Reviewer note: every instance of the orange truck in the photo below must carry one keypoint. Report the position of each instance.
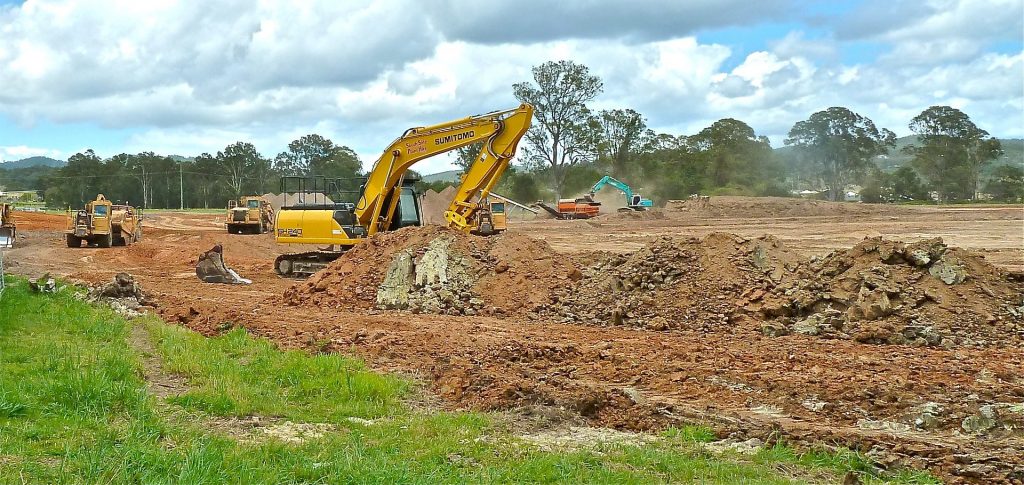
(580, 208)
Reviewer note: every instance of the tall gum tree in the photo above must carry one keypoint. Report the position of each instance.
(839, 146)
(952, 151)
(624, 136)
(565, 132)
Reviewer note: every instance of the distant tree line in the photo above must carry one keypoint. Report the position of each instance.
(570, 146)
(205, 181)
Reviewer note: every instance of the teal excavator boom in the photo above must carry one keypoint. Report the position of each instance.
(634, 201)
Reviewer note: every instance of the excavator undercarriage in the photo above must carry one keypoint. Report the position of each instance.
(303, 265)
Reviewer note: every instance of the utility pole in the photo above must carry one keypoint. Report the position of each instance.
(181, 186)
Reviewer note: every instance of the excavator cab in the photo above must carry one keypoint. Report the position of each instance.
(408, 212)
(314, 212)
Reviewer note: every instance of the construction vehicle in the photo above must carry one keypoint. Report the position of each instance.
(104, 224)
(578, 208)
(8, 230)
(388, 201)
(249, 214)
(634, 201)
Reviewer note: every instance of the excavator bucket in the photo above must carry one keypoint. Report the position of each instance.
(211, 269)
(6, 237)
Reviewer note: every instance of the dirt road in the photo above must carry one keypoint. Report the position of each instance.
(809, 389)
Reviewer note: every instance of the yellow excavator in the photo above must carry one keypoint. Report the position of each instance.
(388, 201)
(8, 230)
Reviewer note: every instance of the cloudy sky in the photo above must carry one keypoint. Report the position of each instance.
(184, 77)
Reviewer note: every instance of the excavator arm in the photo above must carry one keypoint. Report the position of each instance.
(609, 180)
(486, 170)
(500, 132)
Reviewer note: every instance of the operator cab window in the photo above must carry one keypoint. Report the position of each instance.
(408, 209)
(498, 208)
(100, 210)
(254, 204)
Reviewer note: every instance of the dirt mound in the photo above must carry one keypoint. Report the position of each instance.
(30, 221)
(879, 292)
(754, 207)
(675, 283)
(890, 292)
(433, 269)
(434, 204)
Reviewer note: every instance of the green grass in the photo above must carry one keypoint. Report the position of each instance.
(841, 460)
(235, 374)
(74, 409)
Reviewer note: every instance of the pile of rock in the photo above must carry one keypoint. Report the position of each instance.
(436, 279)
(890, 292)
(674, 283)
(433, 269)
(122, 294)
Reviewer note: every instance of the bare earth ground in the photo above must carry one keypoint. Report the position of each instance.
(807, 389)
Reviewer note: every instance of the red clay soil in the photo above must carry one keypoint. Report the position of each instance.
(30, 221)
(510, 272)
(954, 411)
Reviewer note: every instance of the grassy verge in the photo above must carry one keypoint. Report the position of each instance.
(74, 409)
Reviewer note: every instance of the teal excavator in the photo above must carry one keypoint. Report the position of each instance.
(634, 201)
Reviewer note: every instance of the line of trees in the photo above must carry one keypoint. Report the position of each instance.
(207, 180)
(831, 150)
(569, 146)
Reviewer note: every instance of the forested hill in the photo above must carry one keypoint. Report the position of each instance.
(32, 162)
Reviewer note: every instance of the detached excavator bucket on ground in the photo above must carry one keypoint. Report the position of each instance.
(211, 269)
(6, 238)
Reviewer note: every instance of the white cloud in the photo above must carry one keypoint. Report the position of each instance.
(795, 44)
(189, 77)
(18, 152)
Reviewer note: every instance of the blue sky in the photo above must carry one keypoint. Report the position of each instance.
(142, 79)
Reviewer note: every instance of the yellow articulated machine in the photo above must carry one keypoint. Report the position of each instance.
(388, 201)
(104, 224)
(250, 214)
(8, 231)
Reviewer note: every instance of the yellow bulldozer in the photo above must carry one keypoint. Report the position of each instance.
(104, 224)
(8, 230)
(249, 214)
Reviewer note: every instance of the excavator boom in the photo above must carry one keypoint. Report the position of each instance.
(499, 131)
(494, 158)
